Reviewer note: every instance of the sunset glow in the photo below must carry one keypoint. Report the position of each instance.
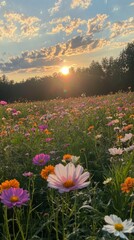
(65, 70)
(38, 38)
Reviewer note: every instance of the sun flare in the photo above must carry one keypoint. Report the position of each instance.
(65, 70)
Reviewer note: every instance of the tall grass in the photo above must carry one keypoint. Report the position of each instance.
(86, 127)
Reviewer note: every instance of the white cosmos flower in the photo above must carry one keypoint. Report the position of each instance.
(127, 137)
(115, 151)
(117, 226)
(130, 148)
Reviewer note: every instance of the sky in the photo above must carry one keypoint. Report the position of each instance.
(39, 37)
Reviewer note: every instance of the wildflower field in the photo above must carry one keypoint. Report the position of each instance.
(67, 169)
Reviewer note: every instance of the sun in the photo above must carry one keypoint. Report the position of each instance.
(65, 70)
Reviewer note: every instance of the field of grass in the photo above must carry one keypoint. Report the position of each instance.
(95, 133)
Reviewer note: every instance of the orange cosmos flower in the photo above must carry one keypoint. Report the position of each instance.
(128, 127)
(20, 122)
(8, 184)
(119, 137)
(46, 171)
(67, 157)
(46, 131)
(3, 133)
(90, 128)
(128, 185)
(131, 116)
(11, 131)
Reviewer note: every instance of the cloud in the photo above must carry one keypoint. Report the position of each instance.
(81, 3)
(2, 4)
(7, 31)
(56, 8)
(17, 26)
(52, 56)
(118, 45)
(96, 24)
(21, 62)
(131, 4)
(122, 28)
(68, 27)
(60, 20)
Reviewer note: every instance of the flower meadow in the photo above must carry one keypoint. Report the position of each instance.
(67, 169)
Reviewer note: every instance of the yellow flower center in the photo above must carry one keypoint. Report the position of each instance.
(68, 184)
(118, 226)
(41, 161)
(14, 199)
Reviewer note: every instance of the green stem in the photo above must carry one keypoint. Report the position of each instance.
(6, 224)
(19, 225)
(55, 212)
(30, 204)
(86, 161)
(63, 225)
(13, 226)
(75, 212)
(131, 211)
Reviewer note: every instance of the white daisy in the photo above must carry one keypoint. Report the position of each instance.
(117, 227)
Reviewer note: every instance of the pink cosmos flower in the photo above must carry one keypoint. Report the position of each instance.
(27, 174)
(41, 159)
(16, 113)
(113, 122)
(127, 137)
(49, 139)
(68, 178)
(33, 129)
(14, 197)
(3, 103)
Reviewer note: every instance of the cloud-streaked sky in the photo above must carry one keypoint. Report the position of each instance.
(38, 37)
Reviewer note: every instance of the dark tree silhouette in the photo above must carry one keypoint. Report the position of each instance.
(110, 75)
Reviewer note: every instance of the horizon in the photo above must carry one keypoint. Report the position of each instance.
(41, 38)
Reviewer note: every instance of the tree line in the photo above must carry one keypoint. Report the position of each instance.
(109, 75)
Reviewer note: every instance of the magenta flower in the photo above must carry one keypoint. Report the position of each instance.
(14, 197)
(14, 110)
(68, 178)
(41, 159)
(42, 127)
(3, 103)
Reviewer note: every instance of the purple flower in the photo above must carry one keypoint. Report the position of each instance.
(41, 159)
(14, 197)
(68, 178)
